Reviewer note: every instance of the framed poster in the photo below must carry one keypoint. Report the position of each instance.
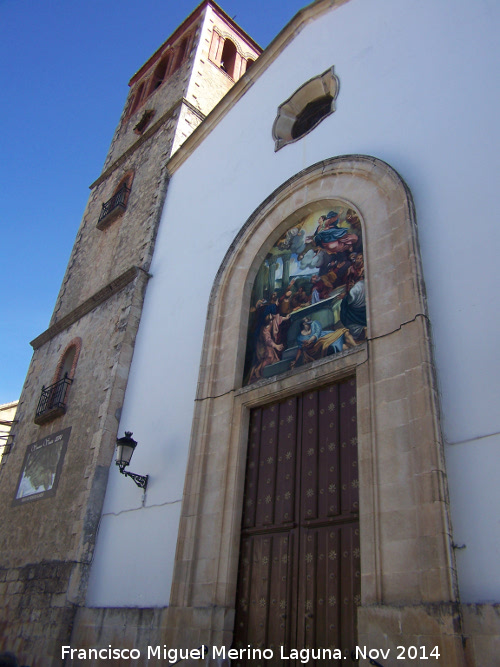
(42, 467)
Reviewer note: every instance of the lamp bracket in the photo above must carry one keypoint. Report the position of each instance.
(140, 480)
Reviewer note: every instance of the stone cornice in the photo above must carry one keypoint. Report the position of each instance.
(89, 304)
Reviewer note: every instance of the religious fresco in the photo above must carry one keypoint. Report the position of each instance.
(308, 299)
(42, 467)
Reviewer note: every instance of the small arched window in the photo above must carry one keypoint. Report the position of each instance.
(68, 360)
(136, 102)
(53, 399)
(160, 73)
(228, 58)
(181, 52)
(67, 363)
(250, 62)
(183, 49)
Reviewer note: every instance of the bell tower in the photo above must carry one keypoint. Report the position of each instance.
(55, 468)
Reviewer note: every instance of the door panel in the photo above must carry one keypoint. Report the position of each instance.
(328, 591)
(299, 573)
(264, 585)
(270, 486)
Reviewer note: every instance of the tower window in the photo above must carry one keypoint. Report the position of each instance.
(144, 122)
(160, 73)
(182, 51)
(228, 58)
(117, 204)
(53, 399)
(136, 102)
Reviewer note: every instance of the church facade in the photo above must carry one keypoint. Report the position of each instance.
(270, 289)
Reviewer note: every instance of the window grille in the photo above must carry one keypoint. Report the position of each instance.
(52, 401)
(117, 201)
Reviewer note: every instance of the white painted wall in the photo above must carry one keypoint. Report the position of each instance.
(418, 89)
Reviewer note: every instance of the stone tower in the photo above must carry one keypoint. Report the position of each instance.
(55, 468)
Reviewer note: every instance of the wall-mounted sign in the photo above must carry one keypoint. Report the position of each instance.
(42, 467)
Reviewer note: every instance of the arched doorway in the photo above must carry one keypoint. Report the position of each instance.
(406, 553)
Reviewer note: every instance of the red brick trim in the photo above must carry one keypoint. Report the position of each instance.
(77, 344)
(127, 179)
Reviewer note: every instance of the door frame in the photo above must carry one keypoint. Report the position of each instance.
(406, 545)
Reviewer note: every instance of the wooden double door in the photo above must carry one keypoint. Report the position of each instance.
(299, 571)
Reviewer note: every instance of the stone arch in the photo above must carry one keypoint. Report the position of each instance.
(137, 98)
(406, 546)
(228, 57)
(126, 180)
(161, 72)
(68, 360)
(248, 63)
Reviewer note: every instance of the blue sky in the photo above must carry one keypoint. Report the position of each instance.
(65, 66)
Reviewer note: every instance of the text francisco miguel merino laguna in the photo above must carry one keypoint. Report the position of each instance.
(172, 655)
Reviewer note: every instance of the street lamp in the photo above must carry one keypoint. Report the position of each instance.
(124, 449)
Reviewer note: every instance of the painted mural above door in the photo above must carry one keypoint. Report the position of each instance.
(308, 300)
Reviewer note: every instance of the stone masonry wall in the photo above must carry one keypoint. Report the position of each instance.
(209, 83)
(127, 628)
(482, 632)
(47, 544)
(35, 618)
(161, 100)
(129, 238)
(187, 123)
(99, 256)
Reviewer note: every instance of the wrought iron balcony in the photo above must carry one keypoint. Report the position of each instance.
(52, 401)
(114, 206)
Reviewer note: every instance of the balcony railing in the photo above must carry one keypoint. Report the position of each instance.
(52, 401)
(115, 205)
